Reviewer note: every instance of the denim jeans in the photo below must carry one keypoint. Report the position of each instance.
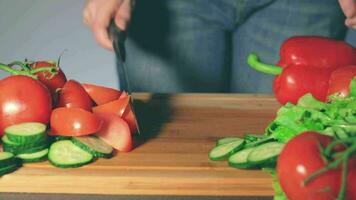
(202, 45)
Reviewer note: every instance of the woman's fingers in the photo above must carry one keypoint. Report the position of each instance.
(98, 13)
(349, 9)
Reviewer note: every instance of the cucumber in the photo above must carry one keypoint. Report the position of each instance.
(65, 154)
(239, 159)
(225, 150)
(34, 157)
(265, 154)
(28, 132)
(94, 146)
(8, 169)
(17, 148)
(6, 159)
(226, 140)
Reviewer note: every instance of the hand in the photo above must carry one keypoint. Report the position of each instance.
(349, 9)
(98, 13)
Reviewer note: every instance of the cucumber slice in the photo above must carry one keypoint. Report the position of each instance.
(265, 154)
(8, 169)
(225, 150)
(226, 140)
(65, 154)
(28, 132)
(94, 146)
(17, 148)
(239, 159)
(34, 157)
(6, 159)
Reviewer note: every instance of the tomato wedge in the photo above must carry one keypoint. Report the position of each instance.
(115, 131)
(130, 118)
(73, 95)
(100, 94)
(74, 122)
(117, 107)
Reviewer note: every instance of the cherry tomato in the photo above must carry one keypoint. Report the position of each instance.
(100, 94)
(74, 122)
(23, 99)
(115, 131)
(340, 79)
(117, 107)
(73, 95)
(55, 82)
(300, 158)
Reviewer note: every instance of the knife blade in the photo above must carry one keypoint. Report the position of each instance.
(118, 38)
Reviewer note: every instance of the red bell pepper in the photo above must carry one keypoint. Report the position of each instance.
(310, 64)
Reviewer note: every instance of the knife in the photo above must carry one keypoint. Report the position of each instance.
(118, 38)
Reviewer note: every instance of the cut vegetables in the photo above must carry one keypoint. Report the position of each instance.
(29, 132)
(34, 157)
(94, 146)
(65, 154)
(223, 151)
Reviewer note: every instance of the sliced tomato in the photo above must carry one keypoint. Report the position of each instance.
(123, 95)
(130, 118)
(73, 95)
(74, 122)
(100, 94)
(115, 131)
(117, 107)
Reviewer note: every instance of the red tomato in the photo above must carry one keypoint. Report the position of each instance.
(299, 159)
(73, 95)
(130, 118)
(123, 95)
(117, 107)
(23, 99)
(115, 132)
(340, 79)
(100, 94)
(74, 122)
(55, 82)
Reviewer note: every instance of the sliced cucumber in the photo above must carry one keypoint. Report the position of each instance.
(34, 157)
(8, 169)
(94, 146)
(265, 154)
(6, 159)
(28, 132)
(226, 140)
(225, 150)
(17, 148)
(239, 159)
(65, 154)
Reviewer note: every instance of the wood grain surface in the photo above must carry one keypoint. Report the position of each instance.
(171, 156)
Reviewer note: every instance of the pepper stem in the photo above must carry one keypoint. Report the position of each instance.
(255, 63)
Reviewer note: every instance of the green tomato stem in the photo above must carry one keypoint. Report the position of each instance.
(254, 62)
(23, 65)
(31, 73)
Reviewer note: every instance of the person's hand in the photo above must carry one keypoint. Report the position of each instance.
(349, 9)
(98, 13)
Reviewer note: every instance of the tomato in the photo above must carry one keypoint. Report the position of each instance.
(23, 99)
(130, 118)
(300, 158)
(74, 122)
(117, 107)
(115, 131)
(73, 95)
(340, 79)
(100, 94)
(122, 108)
(57, 81)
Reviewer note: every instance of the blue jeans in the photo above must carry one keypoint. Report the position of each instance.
(202, 45)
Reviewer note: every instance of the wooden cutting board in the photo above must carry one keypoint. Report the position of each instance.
(178, 131)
